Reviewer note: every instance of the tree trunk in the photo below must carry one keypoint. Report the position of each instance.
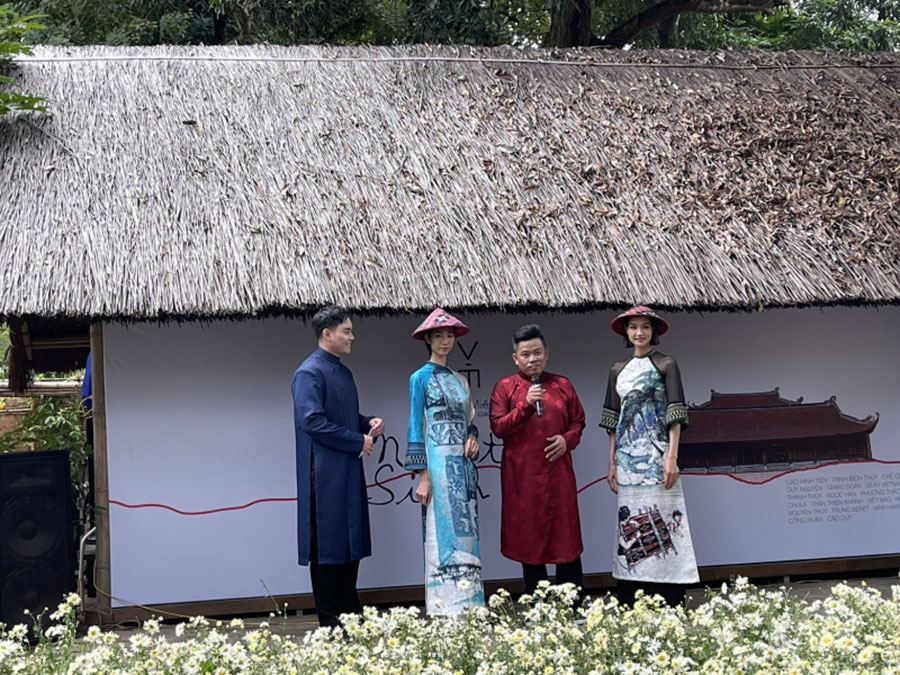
(625, 32)
(244, 21)
(668, 33)
(570, 23)
(219, 24)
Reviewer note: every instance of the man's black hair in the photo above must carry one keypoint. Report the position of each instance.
(530, 331)
(329, 317)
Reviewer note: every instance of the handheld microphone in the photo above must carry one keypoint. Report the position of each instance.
(538, 405)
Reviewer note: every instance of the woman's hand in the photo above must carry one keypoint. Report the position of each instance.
(611, 476)
(470, 450)
(423, 489)
(670, 471)
(670, 468)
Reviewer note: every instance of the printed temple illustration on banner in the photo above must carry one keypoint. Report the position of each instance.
(762, 432)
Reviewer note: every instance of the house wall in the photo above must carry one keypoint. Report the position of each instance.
(200, 420)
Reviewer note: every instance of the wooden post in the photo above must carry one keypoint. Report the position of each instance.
(101, 473)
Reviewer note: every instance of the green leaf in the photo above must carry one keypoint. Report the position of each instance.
(13, 29)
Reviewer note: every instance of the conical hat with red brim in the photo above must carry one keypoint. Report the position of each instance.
(620, 322)
(440, 318)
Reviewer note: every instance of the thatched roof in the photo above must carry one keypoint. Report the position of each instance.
(233, 181)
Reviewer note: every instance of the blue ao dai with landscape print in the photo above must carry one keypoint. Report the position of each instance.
(441, 418)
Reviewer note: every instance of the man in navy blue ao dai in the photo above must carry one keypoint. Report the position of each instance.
(331, 437)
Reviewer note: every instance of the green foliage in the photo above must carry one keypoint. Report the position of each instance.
(867, 25)
(137, 22)
(137, 31)
(174, 27)
(55, 423)
(338, 22)
(13, 30)
(455, 21)
(397, 21)
(4, 352)
(609, 14)
(341, 22)
(863, 25)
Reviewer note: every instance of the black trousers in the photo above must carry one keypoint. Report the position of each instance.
(569, 572)
(334, 590)
(673, 594)
(333, 586)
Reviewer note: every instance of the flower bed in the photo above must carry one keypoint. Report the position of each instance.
(741, 629)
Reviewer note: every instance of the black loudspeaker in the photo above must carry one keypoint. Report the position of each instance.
(37, 533)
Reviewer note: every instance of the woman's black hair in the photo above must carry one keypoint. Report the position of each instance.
(654, 325)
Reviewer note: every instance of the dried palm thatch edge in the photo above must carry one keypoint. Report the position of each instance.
(305, 313)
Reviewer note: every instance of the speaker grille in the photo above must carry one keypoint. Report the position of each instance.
(32, 527)
(17, 474)
(37, 543)
(34, 589)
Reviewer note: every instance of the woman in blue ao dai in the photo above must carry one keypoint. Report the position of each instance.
(441, 444)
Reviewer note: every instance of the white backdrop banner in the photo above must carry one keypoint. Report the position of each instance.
(201, 444)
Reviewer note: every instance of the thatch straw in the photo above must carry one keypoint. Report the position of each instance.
(232, 181)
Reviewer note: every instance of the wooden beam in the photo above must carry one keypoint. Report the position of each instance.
(45, 388)
(61, 342)
(18, 358)
(234, 607)
(101, 473)
(823, 567)
(26, 340)
(593, 583)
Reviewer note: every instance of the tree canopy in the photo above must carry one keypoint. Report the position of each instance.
(865, 25)
(13, 29)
